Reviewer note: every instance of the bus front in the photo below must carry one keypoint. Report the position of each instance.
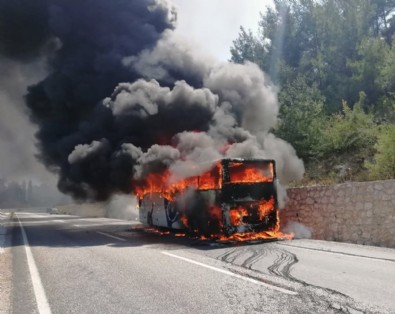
(249, 196)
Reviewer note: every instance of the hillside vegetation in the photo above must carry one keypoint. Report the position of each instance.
(334, 62)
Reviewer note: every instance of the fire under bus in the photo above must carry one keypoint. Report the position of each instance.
(235, 200)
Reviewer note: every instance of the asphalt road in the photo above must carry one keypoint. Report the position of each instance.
(77, 265)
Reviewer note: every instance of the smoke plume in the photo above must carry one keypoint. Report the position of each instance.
(125, 96)
(17, 140)
(299, 230)
(122, 207)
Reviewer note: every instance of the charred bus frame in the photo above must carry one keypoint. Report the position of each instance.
(234, 196)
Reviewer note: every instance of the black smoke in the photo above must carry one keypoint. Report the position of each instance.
(24, 28)
(124, 96)
(93, 37)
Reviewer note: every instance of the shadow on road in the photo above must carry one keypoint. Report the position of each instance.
(44, 232)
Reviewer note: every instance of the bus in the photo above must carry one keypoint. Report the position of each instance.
(235, 196)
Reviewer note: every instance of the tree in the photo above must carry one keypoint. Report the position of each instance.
(302, 118)
(383, 166)
(248, 48)
(387, 79)
(367, 69)
(284, 36)
(349, 138)
(334, 64)
(335, 44)
(383, 18)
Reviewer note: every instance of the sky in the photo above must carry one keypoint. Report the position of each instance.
(216, 23)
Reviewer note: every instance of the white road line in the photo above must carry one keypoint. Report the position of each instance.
(98, 225)
(39, 292)
(226, 272)
(110, 236)
(81, 226)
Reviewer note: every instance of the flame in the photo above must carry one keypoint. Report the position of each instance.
(240, 172)
(254, 236)
(156, 231)
(263, 235)
(237, 173)
(236, 216)
(184, 220)
(264, 208)
(160, 183)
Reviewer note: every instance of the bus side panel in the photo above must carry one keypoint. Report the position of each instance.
(159, 212)
(204, 212)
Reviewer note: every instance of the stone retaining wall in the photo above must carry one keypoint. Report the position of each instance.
(356, 212)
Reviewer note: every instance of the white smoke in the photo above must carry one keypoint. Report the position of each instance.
(172, 53)
(299, 230)
(281, 195)
(17, 142)
(122, 207)
(83, 151)
(240, 100)
(250, 93)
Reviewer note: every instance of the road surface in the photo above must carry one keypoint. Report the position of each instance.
(68, 264)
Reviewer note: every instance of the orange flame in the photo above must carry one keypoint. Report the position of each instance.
(184, 221)
(255, 236)
(238, 173)
(248, 173)
(236, 216)
(265, 208)
(160, 183)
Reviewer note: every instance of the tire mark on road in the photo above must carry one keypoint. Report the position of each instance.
(281, 266)
(248, 257)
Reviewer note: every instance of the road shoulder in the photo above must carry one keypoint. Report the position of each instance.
(5, 268)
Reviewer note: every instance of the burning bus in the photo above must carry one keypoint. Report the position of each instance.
(235, 199)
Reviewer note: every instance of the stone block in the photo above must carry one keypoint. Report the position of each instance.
(359, 206)
(368, 206)
(348, 211)
(309, 201)
(378, 186)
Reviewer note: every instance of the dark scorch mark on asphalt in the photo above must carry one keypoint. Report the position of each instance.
(281, 262)
(281, 266)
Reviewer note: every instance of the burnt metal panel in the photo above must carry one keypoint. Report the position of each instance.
(233, 192)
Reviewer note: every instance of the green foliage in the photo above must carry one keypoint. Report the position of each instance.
(351, 132)
(340, 46)
(383, 166)
(248, 48)
(387, 79)
(323, 54)
(348, 142)
(302, 118)
(366, 70)
(386, 109)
